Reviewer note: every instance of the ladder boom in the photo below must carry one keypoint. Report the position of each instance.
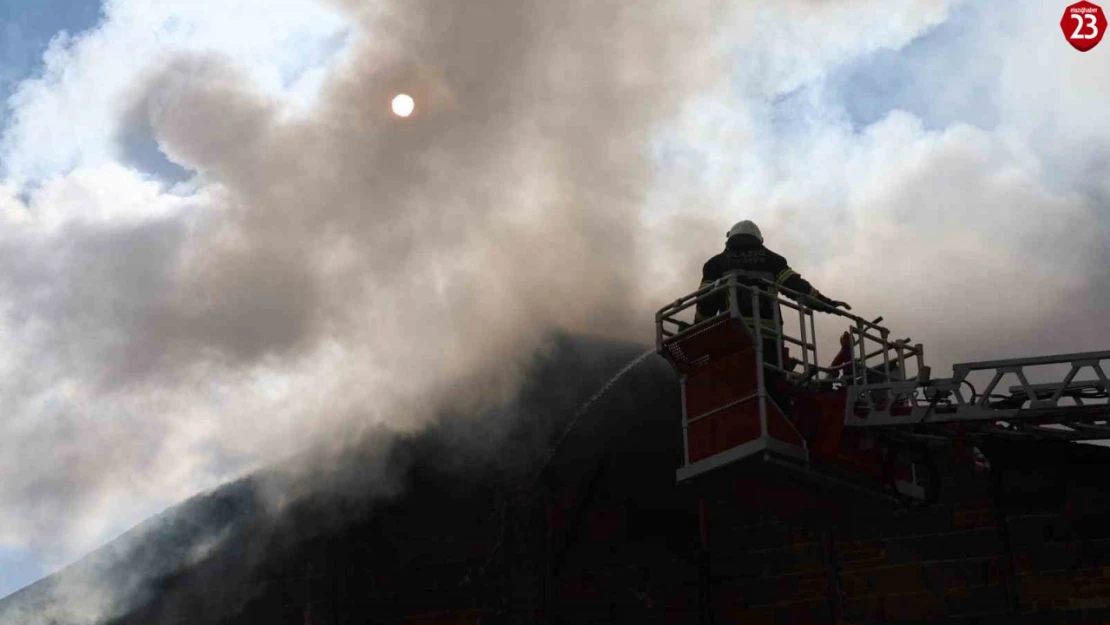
(1064, 401)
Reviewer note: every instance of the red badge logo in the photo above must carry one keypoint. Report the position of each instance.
(1083, 24)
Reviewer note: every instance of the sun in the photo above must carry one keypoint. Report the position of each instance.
(403, 105)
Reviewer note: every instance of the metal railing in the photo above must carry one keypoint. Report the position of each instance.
(1024, 410)
(874, 356)
(888, 382)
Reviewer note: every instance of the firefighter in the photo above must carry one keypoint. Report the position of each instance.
(745, 254)
(747, 258)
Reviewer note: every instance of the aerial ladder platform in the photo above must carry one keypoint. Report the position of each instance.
(874, 420)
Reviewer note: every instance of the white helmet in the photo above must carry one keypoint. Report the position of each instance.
(746, 227)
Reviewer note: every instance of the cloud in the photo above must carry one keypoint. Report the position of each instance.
(327, 268)
(68, 116)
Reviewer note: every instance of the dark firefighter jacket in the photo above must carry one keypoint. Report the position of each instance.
(745, 253)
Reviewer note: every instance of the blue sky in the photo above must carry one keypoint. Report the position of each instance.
(211, 217)
(18, 568)
(917, 77)
(27, 26)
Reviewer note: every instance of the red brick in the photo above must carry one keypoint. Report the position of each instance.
(1092, 588)
(916, 606)
(884, 580)
(996, 570)
(976, 600)
(1093, 573)
(861, 554)
(813, 611)
(680, 599)
(1023, 562)
(1050, 586)
(966, 518)
(748, 616)
(854, 585)
(862, 609)
(682, 618)
(774, 590)
(1087, 603)
(863, 564)
(962, 573)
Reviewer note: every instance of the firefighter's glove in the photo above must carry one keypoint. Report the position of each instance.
(820, 303)
(820, 306)
(844, 305)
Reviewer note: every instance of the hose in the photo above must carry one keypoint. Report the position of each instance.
(974, 392)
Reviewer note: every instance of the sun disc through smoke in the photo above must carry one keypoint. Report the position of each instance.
(403, 105)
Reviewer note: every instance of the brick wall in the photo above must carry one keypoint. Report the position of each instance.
(966, 563)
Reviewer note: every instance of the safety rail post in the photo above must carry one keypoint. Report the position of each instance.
(900, 355)
(780, 331)
(885, 334)
(759, 377)
(733, 298)
(855, 373)
(813, 333)
(900, 347)
(667, 313)
(685, 424)
(805, 343)
(862, 349)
